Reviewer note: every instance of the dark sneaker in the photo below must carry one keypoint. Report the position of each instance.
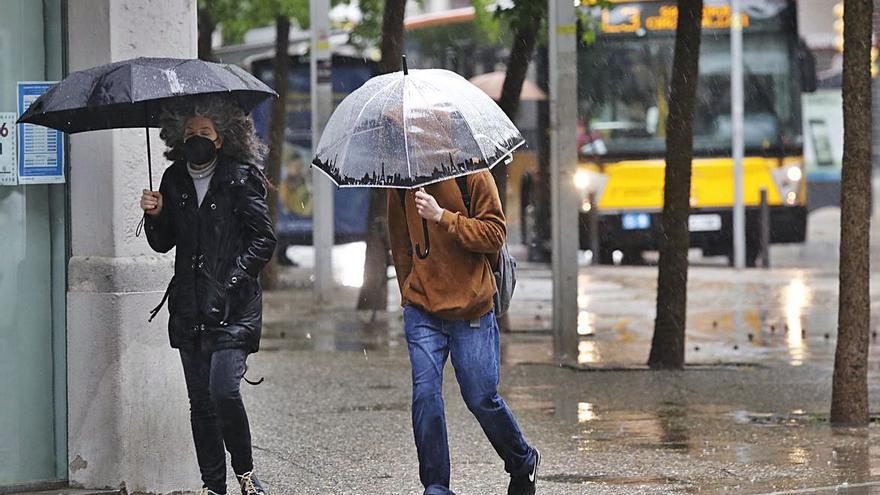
(250, 485)
(525, 484)
(205, 491)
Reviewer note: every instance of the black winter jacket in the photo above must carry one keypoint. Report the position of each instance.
(215, 296)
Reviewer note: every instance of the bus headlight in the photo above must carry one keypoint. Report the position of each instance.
(590, 185)
(582, 179)
(788, 181)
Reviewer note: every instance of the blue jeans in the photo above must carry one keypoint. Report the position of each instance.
(476, 357)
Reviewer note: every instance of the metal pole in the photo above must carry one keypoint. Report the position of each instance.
(595, 243)
(564, 197)
(765, 230)
(322, 188)
(737, 144)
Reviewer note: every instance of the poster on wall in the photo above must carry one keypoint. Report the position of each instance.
(40, 149)
(8, 165)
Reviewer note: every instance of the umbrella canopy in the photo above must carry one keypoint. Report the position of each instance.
(131, 93)
(413, 128)
(493, 82)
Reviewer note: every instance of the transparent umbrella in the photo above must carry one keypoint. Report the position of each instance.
(413, 128)
(409, 129)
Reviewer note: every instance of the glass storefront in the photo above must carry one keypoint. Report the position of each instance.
(33, 259)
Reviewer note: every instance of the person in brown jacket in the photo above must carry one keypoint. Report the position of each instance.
(448, 310)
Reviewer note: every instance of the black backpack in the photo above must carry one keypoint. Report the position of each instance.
(505, 271)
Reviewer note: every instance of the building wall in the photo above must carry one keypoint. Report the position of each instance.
(32, 290)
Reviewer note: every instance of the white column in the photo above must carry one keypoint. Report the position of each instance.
(128, 410)
(322, 188)
(563, 165)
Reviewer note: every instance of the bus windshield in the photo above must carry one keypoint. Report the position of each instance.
(623, 87)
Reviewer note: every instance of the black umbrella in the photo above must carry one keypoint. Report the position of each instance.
(131, 93)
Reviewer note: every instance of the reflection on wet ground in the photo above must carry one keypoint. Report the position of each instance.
(781, 316)
(710, 448)
(583, 479)
(759, 317)
(756, 425)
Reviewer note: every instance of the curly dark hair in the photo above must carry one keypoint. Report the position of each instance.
(240, 141)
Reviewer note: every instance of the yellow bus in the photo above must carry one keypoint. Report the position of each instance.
(623, 80)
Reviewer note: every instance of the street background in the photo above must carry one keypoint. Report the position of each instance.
(94, 398)
(748, 415)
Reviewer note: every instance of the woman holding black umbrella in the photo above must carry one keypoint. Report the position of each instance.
(211, 206)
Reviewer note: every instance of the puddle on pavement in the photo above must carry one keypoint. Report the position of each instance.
(667, 428)
(793, 418)
(584, 479)
(394, 406)
(343, 332)
(773, 450)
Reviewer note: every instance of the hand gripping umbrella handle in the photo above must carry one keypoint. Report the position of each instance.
(140, 226)
(427, 242)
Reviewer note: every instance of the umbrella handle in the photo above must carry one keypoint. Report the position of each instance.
(149, 153)
(427, 242)
(149, 159)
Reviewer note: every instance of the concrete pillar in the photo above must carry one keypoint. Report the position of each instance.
(563, 165)
(128, 412)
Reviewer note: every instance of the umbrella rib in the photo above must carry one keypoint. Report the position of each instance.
(468, 124)
(361, 112)
(441, 122)
(403, 120)
(427, 103)
(506, 151)
(483, 116)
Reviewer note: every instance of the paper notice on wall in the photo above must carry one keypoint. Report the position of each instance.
(40, 150)
(8, 164)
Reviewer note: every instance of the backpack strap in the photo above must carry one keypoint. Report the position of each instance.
(466, 197)
(465, 193)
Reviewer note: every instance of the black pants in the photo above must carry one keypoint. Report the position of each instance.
(217, 412)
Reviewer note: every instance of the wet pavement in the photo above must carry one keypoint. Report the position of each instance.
(749, 415)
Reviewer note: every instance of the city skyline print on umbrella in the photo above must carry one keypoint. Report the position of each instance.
(409, 129)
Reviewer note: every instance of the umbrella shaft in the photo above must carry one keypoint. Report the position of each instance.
(149, 158)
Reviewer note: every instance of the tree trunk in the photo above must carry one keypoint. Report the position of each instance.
(667, 347)
(374, 293)
(207, 25)
(849, 398)
(276, 132)
(524, 39)
(540, 249)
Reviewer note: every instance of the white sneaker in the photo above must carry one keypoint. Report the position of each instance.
(250, 484)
